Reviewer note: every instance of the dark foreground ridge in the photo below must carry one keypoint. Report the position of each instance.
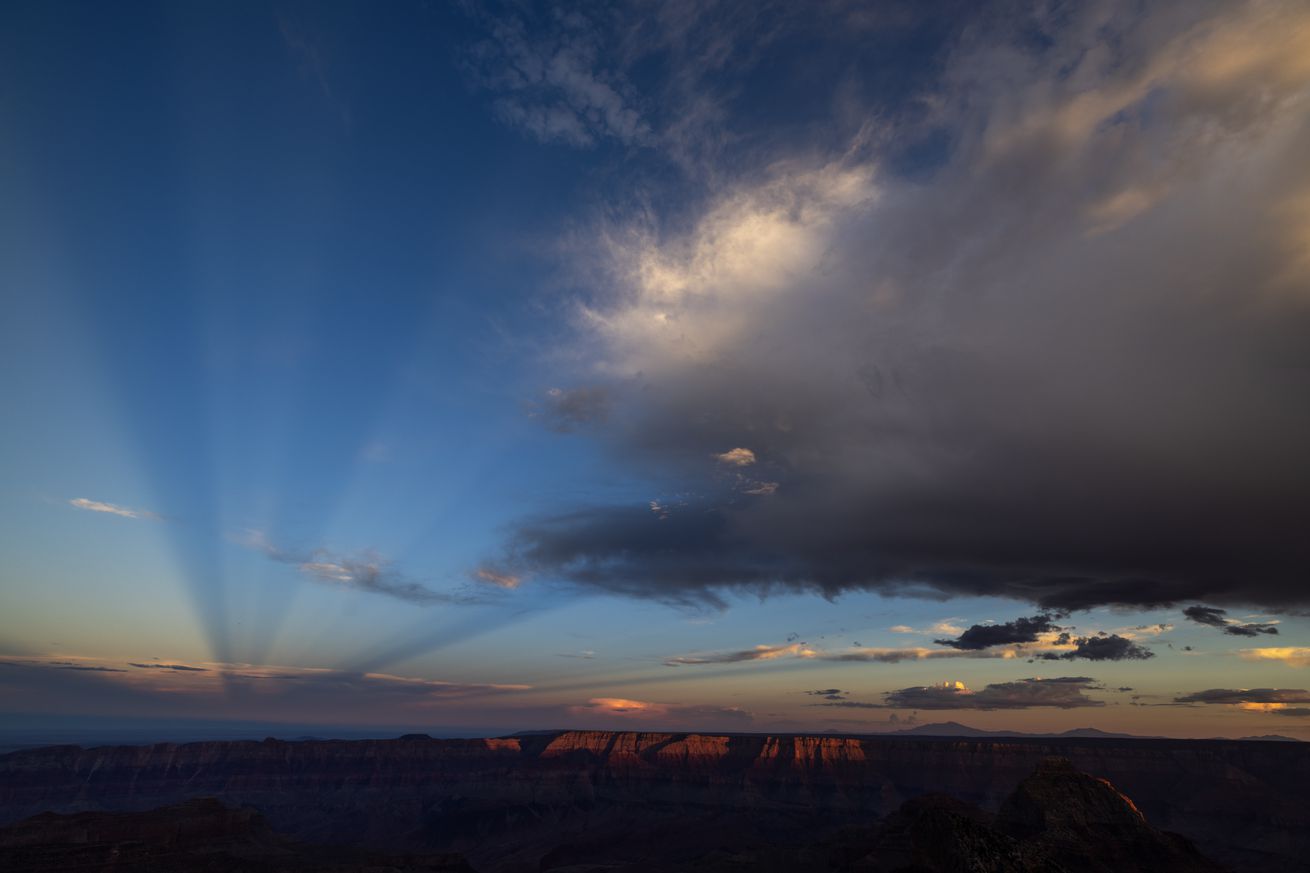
(1057, 821)
(581, 800)
(198, 836)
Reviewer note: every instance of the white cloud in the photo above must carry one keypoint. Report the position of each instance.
(111, 509)
(1292, 656)
(737, 457)
(499, 580)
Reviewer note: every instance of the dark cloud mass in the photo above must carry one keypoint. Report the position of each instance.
(1102, 647)
(828, 694)
(1063, 693)
(1269, 701)
(1021, 630)
(1066, 366)
(565, 410)
(1209, 615)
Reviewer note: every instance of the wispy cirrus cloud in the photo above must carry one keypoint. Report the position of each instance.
(112, 509)
(556, 82)
(211, 679)
(759, 653)
(804, 651)
(365, 571)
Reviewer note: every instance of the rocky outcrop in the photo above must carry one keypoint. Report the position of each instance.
(509, 801)
(199, 836)
(1057, 821)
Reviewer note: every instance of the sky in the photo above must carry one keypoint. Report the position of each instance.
(716, 366)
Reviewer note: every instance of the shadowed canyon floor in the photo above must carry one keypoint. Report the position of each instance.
(589, 800)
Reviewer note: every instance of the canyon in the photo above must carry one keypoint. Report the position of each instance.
(581, 800)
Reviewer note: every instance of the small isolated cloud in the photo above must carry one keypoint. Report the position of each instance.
(622, 705)
(625, 708)
(1101, 647)
(828, 693)
(901, 629)
(738, 457)
(565, 410)
(1021, 630)
(111, 509)
(1292, 656)
(497, 579)
(585, 654)
(1215, 617)
(1274, 701)
(1068, 692)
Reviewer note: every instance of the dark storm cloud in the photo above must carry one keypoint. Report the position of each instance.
(1021, 630)
(1102, 647)
(1250, 630)
(1062, 693)
(1067, 367)
(1209, 615)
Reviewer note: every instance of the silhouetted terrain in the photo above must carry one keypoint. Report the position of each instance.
(199, 836)
(591, 800)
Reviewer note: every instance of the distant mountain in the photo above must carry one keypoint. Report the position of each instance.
(955, 729)
(1277, 738)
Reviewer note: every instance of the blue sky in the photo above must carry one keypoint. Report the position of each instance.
(517, 366)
